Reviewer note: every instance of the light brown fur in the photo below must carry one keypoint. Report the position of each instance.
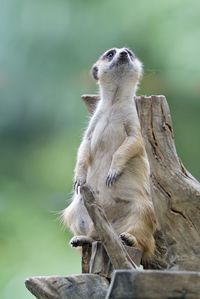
(112, 157)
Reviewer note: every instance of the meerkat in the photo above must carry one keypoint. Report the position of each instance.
(112, 159)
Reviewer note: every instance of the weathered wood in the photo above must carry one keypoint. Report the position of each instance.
(100, 262)
(175, 192)
(151, 284)
(86, 255)
(71, 287)
(119, 256)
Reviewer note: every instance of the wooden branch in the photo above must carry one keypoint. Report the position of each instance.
(175, 192)
(116, 251)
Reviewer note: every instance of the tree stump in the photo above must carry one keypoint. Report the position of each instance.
(175, 192)
(176, 198)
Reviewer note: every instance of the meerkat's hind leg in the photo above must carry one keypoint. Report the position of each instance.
(129, 239)
(78, 241)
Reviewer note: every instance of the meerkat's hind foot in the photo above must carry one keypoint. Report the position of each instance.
(129, 239)
(78, 241)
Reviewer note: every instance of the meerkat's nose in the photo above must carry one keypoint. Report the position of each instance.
(123, 54)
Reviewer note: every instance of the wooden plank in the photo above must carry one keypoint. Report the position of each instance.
(70, 287)
(151, 284)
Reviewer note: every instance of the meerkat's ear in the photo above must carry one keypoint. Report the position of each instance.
(94, 72)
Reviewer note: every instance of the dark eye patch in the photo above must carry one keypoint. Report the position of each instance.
(130, 53)
(109, 55)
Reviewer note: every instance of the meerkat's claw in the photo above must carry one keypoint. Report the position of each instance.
(78, 183)
(112, 177)
(78, 241)
(129, 239)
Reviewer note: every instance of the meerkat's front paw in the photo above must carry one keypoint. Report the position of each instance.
(78, 241)
(112, 177)
(79, 181)
(129, 239)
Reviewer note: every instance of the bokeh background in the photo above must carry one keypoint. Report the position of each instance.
(46, 50)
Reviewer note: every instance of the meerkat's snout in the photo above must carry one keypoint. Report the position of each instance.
(123, 55)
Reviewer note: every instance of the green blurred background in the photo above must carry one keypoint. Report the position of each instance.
(46, 50)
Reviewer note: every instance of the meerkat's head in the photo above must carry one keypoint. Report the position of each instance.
(117, 66)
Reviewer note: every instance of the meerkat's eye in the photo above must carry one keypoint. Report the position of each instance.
(110, 54)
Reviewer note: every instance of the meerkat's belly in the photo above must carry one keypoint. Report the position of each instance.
(119, 200)
(108, 135)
